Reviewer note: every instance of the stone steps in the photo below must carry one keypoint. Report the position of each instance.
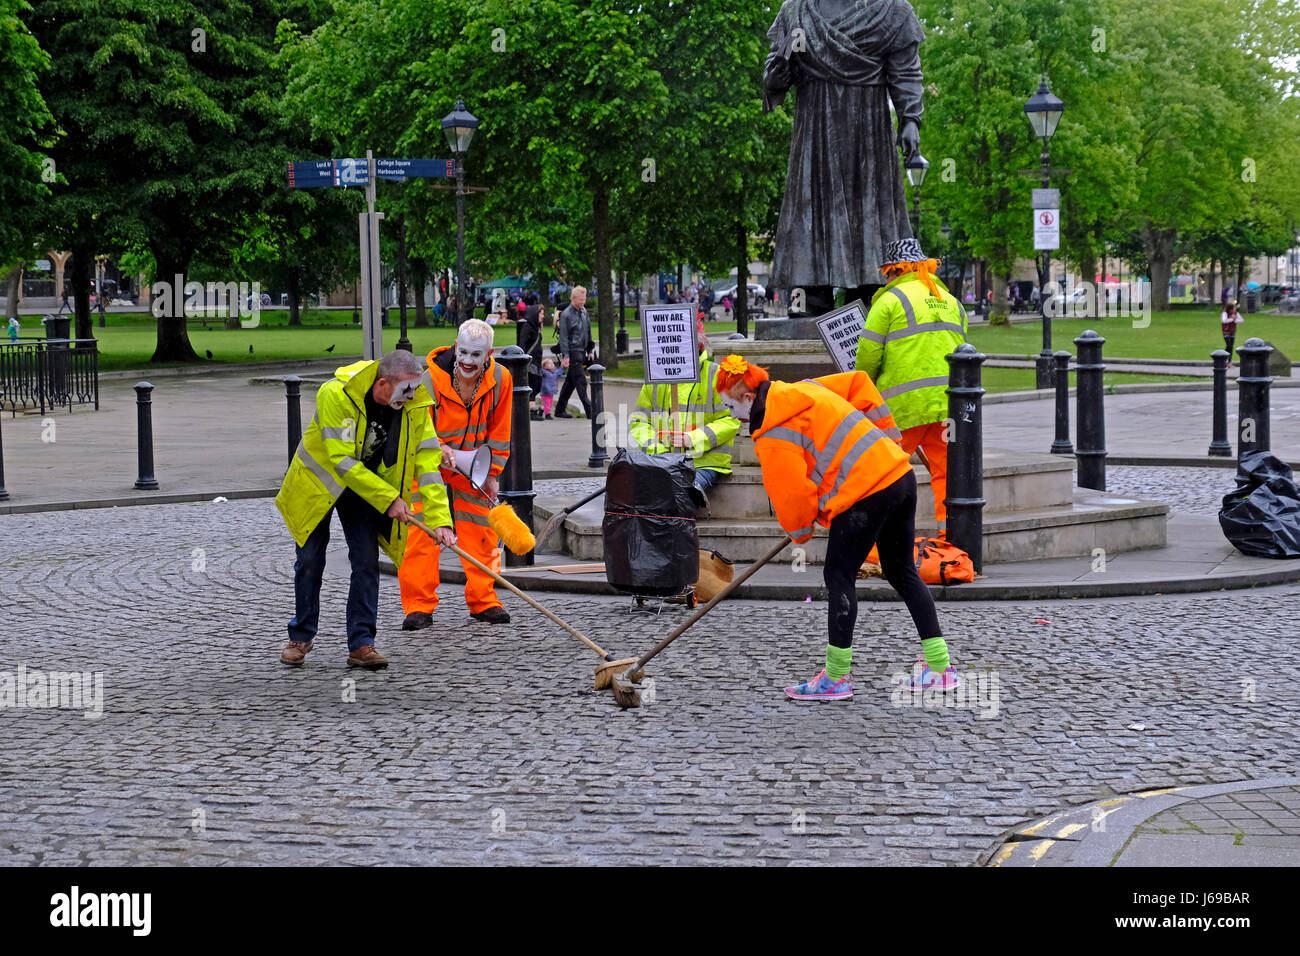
(1090, 520)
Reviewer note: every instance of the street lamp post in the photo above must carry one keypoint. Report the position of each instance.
(620, 340)
(916, 168)
(459, 126)
(1044, 112)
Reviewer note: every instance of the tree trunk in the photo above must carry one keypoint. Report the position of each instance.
(1214, 285)
(295, 295)
(82, 263)
(604, 288)
(742, 279)
(420, 276)
(1158, 244)
(173, 336)
(1240, 294)
(13, 285)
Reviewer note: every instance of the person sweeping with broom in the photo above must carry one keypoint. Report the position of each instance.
(828, 453)
(370, 431)
(471, 408)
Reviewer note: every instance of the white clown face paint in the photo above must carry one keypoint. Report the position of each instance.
(471, 355)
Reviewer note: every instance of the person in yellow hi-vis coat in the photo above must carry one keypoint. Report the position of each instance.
(370, 441)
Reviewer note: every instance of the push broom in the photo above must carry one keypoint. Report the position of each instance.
(625, 691)
(611, 662)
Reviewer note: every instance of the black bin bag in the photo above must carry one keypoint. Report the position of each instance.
(651, 545)
(1262, 515)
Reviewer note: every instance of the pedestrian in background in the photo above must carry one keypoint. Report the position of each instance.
(13, 328)
(575, 349)
(550, 385)
(1229, 319)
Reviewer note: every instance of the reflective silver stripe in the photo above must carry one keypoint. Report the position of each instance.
(428, 444)
(347, 433)
(346, 464)
(833, 444)
(894, 433)
(913, 386)
(846, 465)
(724, 449)
(454, 433)
(926, 327)
(907, 307)
(430, 478)
(789, 434)
(498, 445)
(315, 467)
(873, 336)
(943, 525)
(879, 412)
(801, 532)
(713, 439)
(427, 381)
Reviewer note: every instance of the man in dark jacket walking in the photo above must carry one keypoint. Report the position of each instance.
(575, 334)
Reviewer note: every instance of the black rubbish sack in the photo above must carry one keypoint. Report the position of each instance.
(651, 544)
(1261, 516)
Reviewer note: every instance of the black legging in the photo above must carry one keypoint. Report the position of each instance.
(886, 519)
(1227, 341)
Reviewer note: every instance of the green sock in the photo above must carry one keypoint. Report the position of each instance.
(839, 660)
(936, 653)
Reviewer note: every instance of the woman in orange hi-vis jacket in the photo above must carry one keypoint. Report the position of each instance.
(471, 407)
(828, 451)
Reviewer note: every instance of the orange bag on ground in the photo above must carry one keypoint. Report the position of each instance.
(942, 562)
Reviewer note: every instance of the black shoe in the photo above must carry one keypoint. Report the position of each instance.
(417, 620)
(549, 417)
(493, 615)
(563, 415)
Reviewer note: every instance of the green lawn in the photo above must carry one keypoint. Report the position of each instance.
(1191, 334)
(129, 338)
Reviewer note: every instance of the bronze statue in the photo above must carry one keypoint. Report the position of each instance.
(844, 200)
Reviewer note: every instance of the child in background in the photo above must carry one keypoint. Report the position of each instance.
(550, 385)
(1229, 318)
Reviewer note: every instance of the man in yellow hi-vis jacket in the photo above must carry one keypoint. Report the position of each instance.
(372, 434)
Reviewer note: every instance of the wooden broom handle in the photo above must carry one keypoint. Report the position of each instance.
(681, 628)
(506, 584)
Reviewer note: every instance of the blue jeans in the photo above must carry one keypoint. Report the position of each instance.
(706, 478)
(361, 529)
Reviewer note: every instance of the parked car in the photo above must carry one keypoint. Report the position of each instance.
(1273, 292)
(1063, 300)
(756, 291)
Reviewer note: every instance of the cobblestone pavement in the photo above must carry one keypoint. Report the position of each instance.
(487, 745)
(1187, 491)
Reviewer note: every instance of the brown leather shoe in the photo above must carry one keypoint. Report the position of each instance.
(367, 657)
(294, 653)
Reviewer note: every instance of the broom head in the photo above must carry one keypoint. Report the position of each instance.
(626, 693)
(605, 672)
(514, 534)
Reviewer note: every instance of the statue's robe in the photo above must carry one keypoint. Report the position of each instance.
(844, 199)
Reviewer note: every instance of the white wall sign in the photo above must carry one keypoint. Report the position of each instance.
(840, 330)
(668, 339)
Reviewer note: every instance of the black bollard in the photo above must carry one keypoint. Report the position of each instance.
(4, 495)
(966, 453)
(598, 453)
(517, 478)
(145, 481)
(1061, 445)
(293, 398)
(1252, 398)
(1219, 444)
(1091, 412)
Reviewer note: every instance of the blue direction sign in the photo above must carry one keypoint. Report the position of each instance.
(327, 172)
(400, 169)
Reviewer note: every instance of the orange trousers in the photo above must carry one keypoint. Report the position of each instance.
(929, 438)
(418, 575)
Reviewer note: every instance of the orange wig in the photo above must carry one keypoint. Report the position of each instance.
(734, 368)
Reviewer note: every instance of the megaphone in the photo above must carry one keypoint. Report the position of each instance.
(474, 464)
